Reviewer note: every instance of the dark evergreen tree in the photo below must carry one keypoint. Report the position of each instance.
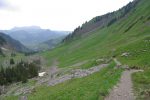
(12, 61)
(21, 72)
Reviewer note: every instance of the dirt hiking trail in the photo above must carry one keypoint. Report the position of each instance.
(123, 90)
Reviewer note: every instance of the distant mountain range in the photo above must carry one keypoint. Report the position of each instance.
(32, 36)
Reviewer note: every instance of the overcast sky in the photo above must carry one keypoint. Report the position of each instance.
(53, 14)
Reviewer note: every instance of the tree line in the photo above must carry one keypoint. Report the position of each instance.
(104, 21)
(20, 72)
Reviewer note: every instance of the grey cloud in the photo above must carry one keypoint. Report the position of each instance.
(3, 4)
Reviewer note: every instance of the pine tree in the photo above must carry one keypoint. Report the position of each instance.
(12, 61)
(2, 76)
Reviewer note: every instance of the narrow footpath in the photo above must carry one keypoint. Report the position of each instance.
(123, 90)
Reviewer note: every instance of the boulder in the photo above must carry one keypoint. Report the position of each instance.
(125, 54)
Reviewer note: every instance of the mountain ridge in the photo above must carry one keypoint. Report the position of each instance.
(12, 44)
(32, 36)
(102, 21)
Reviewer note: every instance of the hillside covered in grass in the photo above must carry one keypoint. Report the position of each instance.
(123, 35)
(129, 34)
(127, 39)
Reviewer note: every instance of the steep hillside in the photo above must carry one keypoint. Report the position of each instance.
(129, 34)
(102, 21)
(2, 40)
(127, 39)
(9, 43)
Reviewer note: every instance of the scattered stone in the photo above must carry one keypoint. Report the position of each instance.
(117, 63)
(100, 60)
(2, 90)
(144, 50)
(23, 98)
(126, 67)
(24, 90)
(125, 54)
(77, 73)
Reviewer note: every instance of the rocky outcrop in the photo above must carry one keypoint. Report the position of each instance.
(77, 73)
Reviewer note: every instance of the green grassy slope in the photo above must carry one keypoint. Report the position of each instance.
(130, 34)
(141, 83)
